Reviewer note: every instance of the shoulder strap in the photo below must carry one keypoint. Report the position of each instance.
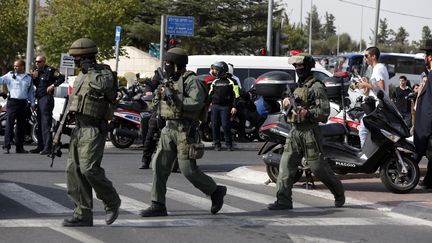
(64, 115)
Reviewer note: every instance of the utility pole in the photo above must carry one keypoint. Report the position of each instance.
(361, 29)
(310, 29)
(30, 35)
(376, 21)
(161, 41)
(269, 28)
(301, 14)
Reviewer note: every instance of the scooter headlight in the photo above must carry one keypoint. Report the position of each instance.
(394, 138)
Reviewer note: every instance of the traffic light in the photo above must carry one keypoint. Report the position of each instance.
(170, 41)
(262, 52)
(278, 43)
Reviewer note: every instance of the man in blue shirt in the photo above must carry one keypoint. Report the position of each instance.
(21, 90)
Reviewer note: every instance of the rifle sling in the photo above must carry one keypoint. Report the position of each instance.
(66, 111)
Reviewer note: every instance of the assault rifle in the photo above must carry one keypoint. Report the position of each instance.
(168, 92)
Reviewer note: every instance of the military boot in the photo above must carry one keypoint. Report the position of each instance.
(155, 210)
(339, 201)
(76, 222)
(112, 214)
(277, 206)
(217, 199)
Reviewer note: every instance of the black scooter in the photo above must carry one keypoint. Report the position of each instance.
(386, 147)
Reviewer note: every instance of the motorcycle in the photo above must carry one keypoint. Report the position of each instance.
(30, 124)
(386, 148)
(125, 127)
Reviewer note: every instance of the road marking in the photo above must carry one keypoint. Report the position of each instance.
(266, 199)
(31, 200)
(75, 234)
(305, 238)
(128, 204)
(184, 197)
(220, 221)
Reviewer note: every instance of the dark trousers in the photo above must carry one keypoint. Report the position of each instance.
(44, 121)
(15, 111)
(427, 180)
(221, 114)
(407, 116)
(149, 143)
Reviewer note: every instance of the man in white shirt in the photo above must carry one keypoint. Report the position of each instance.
(378, 80)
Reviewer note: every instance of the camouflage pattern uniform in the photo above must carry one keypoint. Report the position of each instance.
(304, 141)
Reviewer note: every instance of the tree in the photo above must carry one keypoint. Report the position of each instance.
(13, 31)
(316, 24)
(383, 32)
(426, 34)
(329, 29)
(65, 21)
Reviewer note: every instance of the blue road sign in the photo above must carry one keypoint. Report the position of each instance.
(117, 33)
(179, 25)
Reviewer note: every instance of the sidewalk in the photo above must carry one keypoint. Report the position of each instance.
(361, 189)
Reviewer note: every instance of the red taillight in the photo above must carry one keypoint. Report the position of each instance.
(260, 79)
(352, 124)
(268, 126)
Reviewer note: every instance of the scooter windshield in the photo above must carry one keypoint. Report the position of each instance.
(386, 116)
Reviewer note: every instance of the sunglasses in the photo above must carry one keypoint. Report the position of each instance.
(38, 61)
(366, 55)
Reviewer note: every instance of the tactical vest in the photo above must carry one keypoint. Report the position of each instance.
(301, 94)
(89, 101)
(175, 111)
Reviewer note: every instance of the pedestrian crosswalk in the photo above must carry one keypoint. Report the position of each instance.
(234, 211)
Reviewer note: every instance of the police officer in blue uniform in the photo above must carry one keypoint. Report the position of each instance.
(21, 90)
(45, 79)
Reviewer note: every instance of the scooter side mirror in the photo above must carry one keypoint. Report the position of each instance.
(380, 94)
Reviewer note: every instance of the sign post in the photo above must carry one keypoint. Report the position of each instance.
(67, 65)
(117, 40)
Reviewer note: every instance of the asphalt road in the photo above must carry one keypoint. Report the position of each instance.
(34, 202)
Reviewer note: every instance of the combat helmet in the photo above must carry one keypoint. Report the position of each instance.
(302, 58)
(177, 56)
(83, 46)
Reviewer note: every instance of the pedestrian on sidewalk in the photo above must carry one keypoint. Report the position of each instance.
(304, 140)
(224, 95)
(400, 98)
(423, 119)
(21, 91)
(45, 79)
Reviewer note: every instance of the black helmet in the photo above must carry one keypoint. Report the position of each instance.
(83, 47)
(302, 58)
(221, 67)
(177, 56)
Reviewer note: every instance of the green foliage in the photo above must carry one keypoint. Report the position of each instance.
(122, 81)
(65, 21)
(13, 31)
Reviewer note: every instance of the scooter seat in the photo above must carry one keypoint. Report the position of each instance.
(333, 130)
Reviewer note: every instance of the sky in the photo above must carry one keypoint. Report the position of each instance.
(348, 15)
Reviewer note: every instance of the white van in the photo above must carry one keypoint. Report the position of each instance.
(250, 66)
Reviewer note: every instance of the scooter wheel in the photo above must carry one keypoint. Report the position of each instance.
(273, 172)
(395, 180)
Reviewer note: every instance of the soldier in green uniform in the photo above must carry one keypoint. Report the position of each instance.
(94, 90)
(181, 99)
(304, 138)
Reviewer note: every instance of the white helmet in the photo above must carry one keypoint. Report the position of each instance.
(230, 69)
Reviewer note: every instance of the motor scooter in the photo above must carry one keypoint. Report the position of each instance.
(126, 125)
(386, 148)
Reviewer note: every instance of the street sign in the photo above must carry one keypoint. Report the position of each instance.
(67, 61)
(180, 25)
(117, 33)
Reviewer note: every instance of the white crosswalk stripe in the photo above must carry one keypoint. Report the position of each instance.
(266, 199)
(128, 204)
(32, 200)
(184, 197)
